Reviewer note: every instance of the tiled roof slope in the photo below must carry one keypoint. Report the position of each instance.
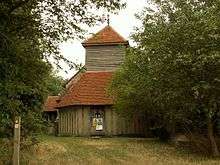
(51, 103)
(89, 89)
(107, 36)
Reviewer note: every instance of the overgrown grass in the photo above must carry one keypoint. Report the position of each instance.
(75, 150)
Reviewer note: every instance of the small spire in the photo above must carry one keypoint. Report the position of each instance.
(103, 19)
(108, 19)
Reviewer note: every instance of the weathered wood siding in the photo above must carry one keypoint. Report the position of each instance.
(76, 121)
(104, 58)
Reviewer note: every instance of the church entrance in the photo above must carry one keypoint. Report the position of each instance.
(97, 120)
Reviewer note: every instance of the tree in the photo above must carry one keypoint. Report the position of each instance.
(174, 72)
(22, 84)
(55, 84)
(30, 31)
(52, 21)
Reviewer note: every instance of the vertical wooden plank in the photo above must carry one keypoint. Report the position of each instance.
(115, 123)
(82, 120)
(59, 122)
(118, 124)
(86, 120)
(122, 125)
(125, 126)
(65, 123)
(133, 124)
(108, 117)
(106, 120)
(90, 121)
(77, 129)
(61, 125)
(67, 119)
(74, 121)
(112, 121)
(130, 126)
(70, 121)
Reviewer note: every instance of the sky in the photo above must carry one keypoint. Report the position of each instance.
(123, 23)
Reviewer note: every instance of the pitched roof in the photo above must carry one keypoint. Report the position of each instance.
(51, 103)
(88, 88)
(106, 36)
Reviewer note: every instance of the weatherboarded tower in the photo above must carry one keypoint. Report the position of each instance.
(105, 50)
(86, 109)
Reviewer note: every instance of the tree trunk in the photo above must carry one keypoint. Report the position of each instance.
(214, 147)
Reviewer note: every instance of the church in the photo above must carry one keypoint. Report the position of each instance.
(86, 109)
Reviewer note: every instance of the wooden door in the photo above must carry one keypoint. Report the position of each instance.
(97, 120)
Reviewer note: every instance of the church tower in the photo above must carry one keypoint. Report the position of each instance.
(105, 50)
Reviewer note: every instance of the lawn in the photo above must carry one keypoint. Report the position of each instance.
(74, 150)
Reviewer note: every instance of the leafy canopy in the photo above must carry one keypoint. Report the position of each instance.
(174, 71)
(52, 21)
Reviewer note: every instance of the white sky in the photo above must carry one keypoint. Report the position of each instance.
(123, 23)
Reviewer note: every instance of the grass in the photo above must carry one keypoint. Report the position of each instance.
(76, 150)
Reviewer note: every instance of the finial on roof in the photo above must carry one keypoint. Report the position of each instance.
(108, 19)
(103, 19)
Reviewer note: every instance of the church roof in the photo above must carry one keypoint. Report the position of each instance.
(88, 88)
(106, 36)
(51, 103)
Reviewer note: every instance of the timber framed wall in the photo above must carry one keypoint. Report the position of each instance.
(76, 121)
(102, 58)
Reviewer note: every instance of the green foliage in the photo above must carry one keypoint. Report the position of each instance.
(22, 84)
(52, 21)
(55, 84)
(174, 71)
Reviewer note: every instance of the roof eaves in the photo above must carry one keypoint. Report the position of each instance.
(126, 43)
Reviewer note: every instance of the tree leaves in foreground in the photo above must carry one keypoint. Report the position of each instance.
(174, 72)
(30, 31)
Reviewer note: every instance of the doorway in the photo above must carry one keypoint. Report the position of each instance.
(97, 120)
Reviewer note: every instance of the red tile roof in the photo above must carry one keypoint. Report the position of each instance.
(51, 103)
(107, 36)
(88, 88)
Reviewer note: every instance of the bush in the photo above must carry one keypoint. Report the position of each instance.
(162, 133)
